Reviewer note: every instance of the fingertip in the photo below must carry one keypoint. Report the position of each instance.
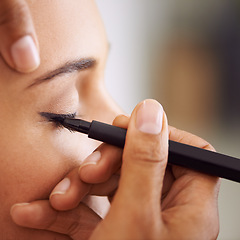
(108, 163)
(69, 192)
(121, 121)
(86, 169)
(20, 213)
(58, 196)
(25, 55)
(57, 201)
(61, 187)
(15, 206)
(92, 159)
(149, 117)
(87, 164)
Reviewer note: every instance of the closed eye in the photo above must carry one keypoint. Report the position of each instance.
(57, 118)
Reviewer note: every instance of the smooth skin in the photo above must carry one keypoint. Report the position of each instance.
(149, 203)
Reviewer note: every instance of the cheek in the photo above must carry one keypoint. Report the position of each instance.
(73, 146)
(32, 163)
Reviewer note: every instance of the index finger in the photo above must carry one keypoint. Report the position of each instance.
(203, 180)
(181, 136)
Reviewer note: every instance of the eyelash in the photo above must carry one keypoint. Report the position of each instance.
(53, 117)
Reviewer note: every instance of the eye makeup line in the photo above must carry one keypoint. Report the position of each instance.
(180, 154)
(57, 118)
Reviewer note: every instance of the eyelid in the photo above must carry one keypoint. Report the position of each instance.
(50, 116)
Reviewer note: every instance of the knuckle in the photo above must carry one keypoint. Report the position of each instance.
(70, 227)
(73, 228)
(150, 151)
(14, 14)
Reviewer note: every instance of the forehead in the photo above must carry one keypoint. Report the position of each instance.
(67, 29)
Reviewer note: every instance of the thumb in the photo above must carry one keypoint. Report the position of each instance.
(135, 210)
(18, 42)
(144, 158)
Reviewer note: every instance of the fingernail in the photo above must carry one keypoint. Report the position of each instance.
(18, 205)
(25, 54)
(62, 187)
(92, 159)
(149, 117)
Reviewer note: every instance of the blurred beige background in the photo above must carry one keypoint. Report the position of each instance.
(185, 54)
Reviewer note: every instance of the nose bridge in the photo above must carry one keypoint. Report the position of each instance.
(109, 107)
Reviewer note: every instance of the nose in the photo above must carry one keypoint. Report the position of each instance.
(107, 108)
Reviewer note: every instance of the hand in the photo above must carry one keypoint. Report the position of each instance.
(189, 199)
(18, 43)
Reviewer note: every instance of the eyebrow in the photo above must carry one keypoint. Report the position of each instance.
(68, 67)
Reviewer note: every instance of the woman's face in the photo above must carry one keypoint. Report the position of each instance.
(34, 153)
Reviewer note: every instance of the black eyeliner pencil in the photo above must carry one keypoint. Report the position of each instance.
(180, 154)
